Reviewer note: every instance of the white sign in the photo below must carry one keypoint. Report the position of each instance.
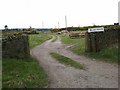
(99, 29)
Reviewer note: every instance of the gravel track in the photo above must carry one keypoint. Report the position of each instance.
(97, 74)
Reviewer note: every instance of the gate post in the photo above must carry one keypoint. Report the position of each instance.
(87, 42)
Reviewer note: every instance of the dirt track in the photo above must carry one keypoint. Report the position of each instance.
(96, 75)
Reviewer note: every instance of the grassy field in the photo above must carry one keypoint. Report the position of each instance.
(66, 60)
(109, 54)
(67, 40)
(25, 73)
(37, 39)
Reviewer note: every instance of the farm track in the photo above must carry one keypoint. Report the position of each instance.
(97, 74)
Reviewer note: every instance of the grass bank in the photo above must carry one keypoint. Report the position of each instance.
(23, 73)
(66, 60)
(109, 54)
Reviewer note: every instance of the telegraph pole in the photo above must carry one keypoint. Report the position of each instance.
(66, 22)
(42, 24)
(58, 25)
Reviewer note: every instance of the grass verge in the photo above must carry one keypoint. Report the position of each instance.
(23, 74)
(109, 54)
(66, 60)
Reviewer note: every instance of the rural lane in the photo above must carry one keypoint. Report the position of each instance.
(97, 74)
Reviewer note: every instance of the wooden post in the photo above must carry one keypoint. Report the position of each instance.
(92, 41)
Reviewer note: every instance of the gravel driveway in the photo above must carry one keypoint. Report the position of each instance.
(97, 74)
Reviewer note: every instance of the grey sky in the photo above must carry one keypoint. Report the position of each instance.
(25, 13)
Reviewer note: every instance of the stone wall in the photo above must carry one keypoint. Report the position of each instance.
(17, 47)
(96, 41)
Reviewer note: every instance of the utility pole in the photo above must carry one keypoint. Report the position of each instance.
(58, 25)
(55, 27)
(66, 22)
(42, 24)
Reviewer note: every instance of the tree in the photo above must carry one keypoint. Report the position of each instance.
(6, 27)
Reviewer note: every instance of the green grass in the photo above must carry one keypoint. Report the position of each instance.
(66, 60)
(109, 54)
(37, 39)
(67, 40)
(23, 73)
(80, 49)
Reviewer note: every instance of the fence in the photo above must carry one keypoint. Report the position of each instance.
(17, 47)
(97, 41)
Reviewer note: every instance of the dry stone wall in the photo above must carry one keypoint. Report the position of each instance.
(17, 47)
(96, 41)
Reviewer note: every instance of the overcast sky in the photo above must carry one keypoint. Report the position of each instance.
(25, 13)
